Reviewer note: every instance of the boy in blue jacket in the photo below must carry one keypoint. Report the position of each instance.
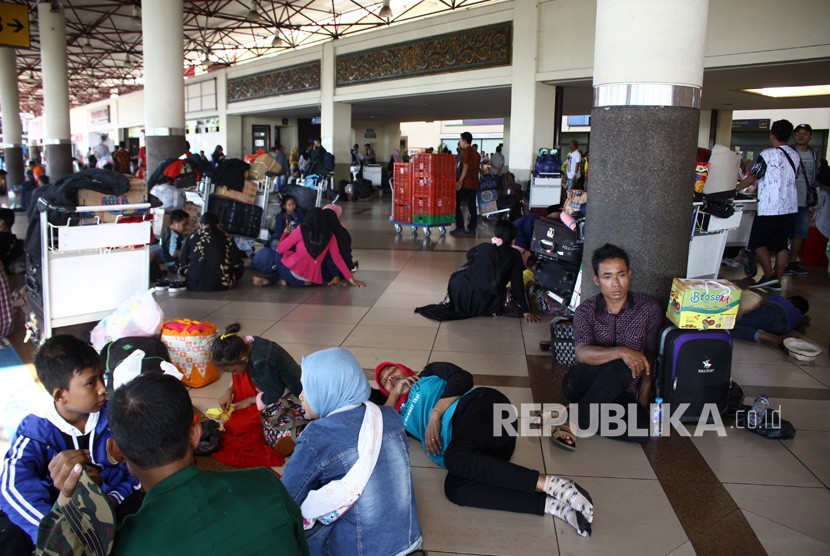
(74, 424)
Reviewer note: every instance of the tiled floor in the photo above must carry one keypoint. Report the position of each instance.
(779, 488)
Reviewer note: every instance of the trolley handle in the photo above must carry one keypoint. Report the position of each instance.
(43, 205)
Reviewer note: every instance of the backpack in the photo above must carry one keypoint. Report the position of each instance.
(113, 353)
(547, 162)
(328, 162)
(182, 173)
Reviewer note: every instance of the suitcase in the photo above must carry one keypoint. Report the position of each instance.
(558, 277)
(694, 367)
(236, 218)
(552, 239)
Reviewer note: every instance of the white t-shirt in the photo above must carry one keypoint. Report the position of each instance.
(574, 160)
(496, 163)
(776, 181)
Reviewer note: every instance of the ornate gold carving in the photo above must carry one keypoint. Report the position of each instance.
(282, 81)
(481, 47)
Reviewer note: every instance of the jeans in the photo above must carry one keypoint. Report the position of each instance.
(468, 195)
(768, 318)
(282, 272)
(480, 474)
(603, 384)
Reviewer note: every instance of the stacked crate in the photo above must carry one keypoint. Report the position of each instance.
(433, 189)
(402, 195)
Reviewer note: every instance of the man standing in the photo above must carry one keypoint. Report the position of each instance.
(804, 182)
(466, 186)
(497, 162)
(574, 164)
(616, 335)
(318, 154)
(369, 158)
(122, 158)
(775, 171)
(282, 160)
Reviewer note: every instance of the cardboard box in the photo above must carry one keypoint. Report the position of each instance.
(247, 195)
(703, 304)
(136, 194)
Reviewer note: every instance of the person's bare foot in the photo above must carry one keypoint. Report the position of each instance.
(337, 281)
(260, 281)
(282, 283)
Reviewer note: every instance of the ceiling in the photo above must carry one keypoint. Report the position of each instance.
(104, 41)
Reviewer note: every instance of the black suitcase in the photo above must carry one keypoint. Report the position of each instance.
(694, 367)
(558, 277)
(552, 239)
(236, 218)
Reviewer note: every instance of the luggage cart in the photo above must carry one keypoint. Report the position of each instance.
(89, 269)
(545, 190)
(399, 225)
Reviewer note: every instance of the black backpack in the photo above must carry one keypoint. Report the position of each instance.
(115, 352)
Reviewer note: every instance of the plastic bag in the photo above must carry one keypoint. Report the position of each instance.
(139, 315)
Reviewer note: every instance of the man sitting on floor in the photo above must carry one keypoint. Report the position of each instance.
(616, 335)
(186, 511)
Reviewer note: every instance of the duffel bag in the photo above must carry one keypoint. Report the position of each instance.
(189, 344)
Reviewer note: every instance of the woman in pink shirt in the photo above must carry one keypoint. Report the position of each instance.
(300, 255)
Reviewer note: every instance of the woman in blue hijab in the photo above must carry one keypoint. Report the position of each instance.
(350, 469)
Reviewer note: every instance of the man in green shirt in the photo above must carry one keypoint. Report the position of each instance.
(186, 511)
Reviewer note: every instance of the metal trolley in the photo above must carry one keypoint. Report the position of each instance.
(88, 269)
(427, 226)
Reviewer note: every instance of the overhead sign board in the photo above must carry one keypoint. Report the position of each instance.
(14, 25)
(750, 125)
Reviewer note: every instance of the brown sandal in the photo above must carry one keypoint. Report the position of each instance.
(564, 438)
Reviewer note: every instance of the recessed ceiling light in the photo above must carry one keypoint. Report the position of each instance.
(788, 92)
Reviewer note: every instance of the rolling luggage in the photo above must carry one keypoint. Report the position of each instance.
(236, 218)
(558, 277)
(694, 367)
(552, 239)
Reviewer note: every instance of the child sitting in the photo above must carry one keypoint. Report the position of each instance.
(260, 371)
(73, 426)
(773, 320)
(168, 250)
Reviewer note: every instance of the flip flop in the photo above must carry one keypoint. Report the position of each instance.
(564, 438)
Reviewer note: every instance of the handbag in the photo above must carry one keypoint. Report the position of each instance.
(282, 423)
(189, 344)
(562, 342)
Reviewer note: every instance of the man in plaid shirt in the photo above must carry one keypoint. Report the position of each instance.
(616, 335)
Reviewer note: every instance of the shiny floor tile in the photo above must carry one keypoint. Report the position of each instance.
(472, 340)
(509, 364)
(801, 509)
(391, 336)
(457, 529)
(631, 516)
(778, 374)
(598, 457)
(746, 458)
(254, 310)
(250, 327)
(370, 357)
(812, 448)
(342, 314)
(779, 540)
(396, 316)
(321, 333)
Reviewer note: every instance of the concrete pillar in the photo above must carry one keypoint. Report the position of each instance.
(335, 117)
(648, 72)
(505, 150)
(56, 134)
(163, 43)
(723, 129)
(10, 108)
(532, 104)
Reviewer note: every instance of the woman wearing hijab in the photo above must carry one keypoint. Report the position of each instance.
(350, 470)
(217, 156)
(344, 242)
(300, 255)
(209, 259)
(456, 424)
(479, 288)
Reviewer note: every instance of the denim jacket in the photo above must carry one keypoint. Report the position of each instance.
(383, 521)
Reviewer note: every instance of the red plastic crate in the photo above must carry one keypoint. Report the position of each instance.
(402, 213)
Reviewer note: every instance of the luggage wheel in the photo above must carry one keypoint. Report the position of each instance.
(398, 228)
(427, 231)
(442, 231)
(414, 231)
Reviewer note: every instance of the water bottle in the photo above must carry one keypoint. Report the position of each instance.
(755, 417)
(657, 417)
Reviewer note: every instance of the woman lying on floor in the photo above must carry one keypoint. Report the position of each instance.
(479, 288)
(301, 253)
(454, 422)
